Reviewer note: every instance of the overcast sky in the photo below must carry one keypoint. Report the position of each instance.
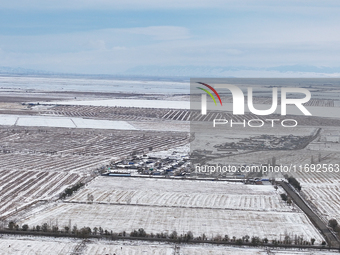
(110, 37)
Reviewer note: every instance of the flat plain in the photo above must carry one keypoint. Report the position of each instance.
(52, 139)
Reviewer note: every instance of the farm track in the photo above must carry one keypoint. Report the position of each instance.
(169, 206)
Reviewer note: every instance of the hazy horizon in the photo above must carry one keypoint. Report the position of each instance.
(258, 38)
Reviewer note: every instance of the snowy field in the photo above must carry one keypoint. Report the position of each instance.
(68, 122)
(172, 126)
(211, 208)
(38, 163)
(18, 188)
(322, 189)
(316, 111)
(23, 245)
(129, 103)
(325, 197)
(181, 193)
(155, 219)
(134, 248)
(43, 121)
(84, 84)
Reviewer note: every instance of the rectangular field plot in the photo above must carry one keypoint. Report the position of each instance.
(127, 247)
(154, 219)
(51, 163)
(139, 103)
(139, 247)
(102, 143)
(35, 245)
(181, 193)
(203, 207)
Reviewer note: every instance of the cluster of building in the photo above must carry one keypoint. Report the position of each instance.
(173, 165)
(266, 142)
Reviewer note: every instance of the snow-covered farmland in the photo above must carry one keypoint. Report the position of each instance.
(68, 122)
(129, 248)
(166, 126)
(320, 187)
(220, 250)
(44, 121)
(19, 189)
(211, 208)
(38, 164)
(139, 247)
(155, 219)
(315, 110)
(24, 245)
(129, 103)
(181, 193)
(116, 113)
(101, 144)
(94, 85)
(325, 196)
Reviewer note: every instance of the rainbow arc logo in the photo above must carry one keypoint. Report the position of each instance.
(209, 93)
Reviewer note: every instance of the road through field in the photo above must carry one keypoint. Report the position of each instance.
(318, 223)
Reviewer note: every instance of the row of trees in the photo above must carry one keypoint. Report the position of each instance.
(286, 198)
(292, 181)
(82, 232)
(69, 191)
(86, 232)
(333, 224)
(254, 240)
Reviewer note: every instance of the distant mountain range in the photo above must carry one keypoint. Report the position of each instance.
(19, 70)
(220, 71)
(184, 71)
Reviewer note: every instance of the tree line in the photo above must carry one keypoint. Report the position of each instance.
(87, 232)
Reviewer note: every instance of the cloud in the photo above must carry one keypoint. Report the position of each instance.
(260, 33)
(97, 51)
(102, 39)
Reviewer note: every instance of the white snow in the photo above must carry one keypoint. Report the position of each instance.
(102, 124)
(25, 245)
(8, 120)
(45, 122)
(156, 219)
(67, 122)
(93, 84)
(212, 208)
(157, 248)
(128, 103)
(331, 112)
